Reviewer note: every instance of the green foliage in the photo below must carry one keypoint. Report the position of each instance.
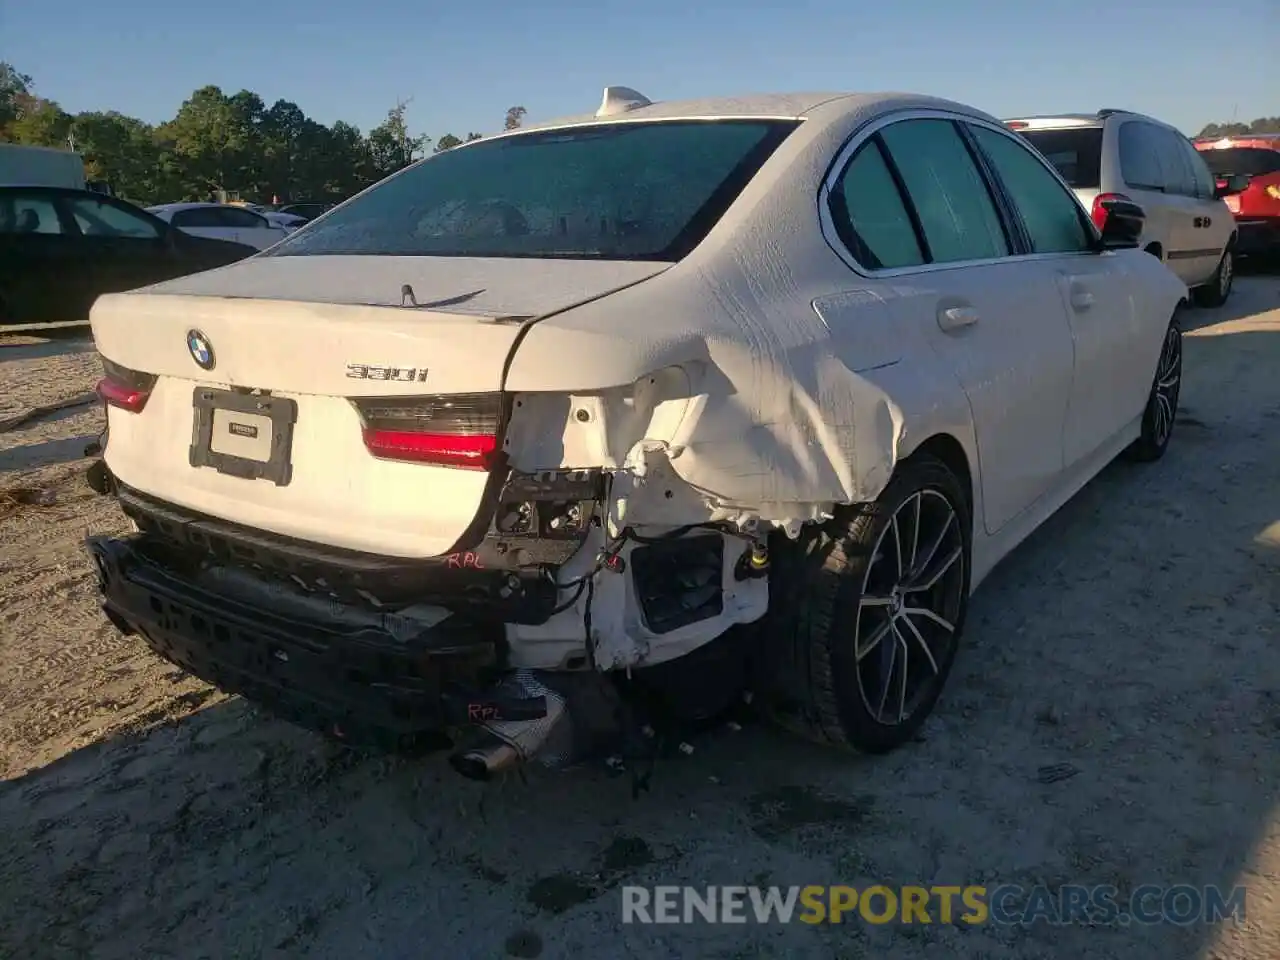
(515, 117)
(1261, 125)
(218, 141)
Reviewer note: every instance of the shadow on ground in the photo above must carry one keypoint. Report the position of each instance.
(1130, 643)
(27, 348)
(46, 452)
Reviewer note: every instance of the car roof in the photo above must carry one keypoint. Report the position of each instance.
(1062, 121)
(191, 205)
(829, 105)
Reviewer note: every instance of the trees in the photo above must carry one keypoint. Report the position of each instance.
(1261, 125)
(221, 141)
(515, 116)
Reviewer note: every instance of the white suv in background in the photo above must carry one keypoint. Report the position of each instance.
(1118, 155)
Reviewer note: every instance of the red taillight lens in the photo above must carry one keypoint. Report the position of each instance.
(1017, 125)
(1099, 212)
(123, 388)
(454, 430)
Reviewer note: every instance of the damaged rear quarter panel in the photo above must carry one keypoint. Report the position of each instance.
(775, 408)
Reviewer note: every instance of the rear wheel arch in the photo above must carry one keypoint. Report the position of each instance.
(949, 450)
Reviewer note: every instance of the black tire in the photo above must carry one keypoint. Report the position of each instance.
(1216, 291)
(1161, 412)
(814, 684)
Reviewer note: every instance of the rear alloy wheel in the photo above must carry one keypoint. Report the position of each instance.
(874, 614)
(1162, 403)
(1216, 291)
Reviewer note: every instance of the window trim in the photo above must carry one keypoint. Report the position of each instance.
(1028, 245)
(864, 133)
(66, 203)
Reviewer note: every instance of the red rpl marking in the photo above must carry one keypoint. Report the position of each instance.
(463, 561)
(477, 712)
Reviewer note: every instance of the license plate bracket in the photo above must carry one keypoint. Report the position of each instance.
(211, 406)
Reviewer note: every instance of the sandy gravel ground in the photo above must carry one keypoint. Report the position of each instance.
(142, 814)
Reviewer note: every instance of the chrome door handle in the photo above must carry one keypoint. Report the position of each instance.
(956, 318)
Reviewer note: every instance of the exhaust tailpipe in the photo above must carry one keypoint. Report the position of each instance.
(504, 744)
(486, 759)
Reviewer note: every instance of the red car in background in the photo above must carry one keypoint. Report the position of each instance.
(1257, 208)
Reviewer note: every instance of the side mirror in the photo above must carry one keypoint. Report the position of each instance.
(1230, 186)
(1122, 228)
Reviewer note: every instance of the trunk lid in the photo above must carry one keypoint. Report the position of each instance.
(316, 334)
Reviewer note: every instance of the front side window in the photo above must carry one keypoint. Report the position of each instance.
(870, 216)
(25, 213)
(101, 218)
(1204, 183)
(1179, 177)
(617, 191)
(1051, 214)
(956, 210)
(240, 219)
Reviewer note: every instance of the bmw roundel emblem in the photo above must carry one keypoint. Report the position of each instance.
(201, 349)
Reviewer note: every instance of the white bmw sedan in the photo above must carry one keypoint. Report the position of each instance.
(664, 403)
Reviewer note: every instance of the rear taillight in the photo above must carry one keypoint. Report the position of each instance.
(1099, 212)
(455, 430)
(1017, 125)
(123, 388)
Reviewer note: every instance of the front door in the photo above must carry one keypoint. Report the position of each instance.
(1109, 382)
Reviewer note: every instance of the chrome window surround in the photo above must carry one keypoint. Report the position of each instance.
(859, 138)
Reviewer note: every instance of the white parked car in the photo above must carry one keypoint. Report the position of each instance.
(1117, 154)
(222, 221)
(655, 405)
(276, 218)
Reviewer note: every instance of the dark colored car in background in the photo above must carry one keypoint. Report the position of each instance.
(61, 248)
(1257, 209)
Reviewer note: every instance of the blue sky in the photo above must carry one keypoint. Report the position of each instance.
(463, 64)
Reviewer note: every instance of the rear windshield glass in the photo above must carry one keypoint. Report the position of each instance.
(622, 191)
(1251, 161)
(1077, 153)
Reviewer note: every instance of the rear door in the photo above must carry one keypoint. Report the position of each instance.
(1153, 182)
(44, 270)
(1110, 374)
(994, 320)
(125, 247)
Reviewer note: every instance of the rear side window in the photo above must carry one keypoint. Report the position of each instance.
(1249, 161)
(1140, 165)
(196, 217)
(956, 210)
(869, 214)
(1052, 216)
(617, 191)
(1076, 153)
(101, 218)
